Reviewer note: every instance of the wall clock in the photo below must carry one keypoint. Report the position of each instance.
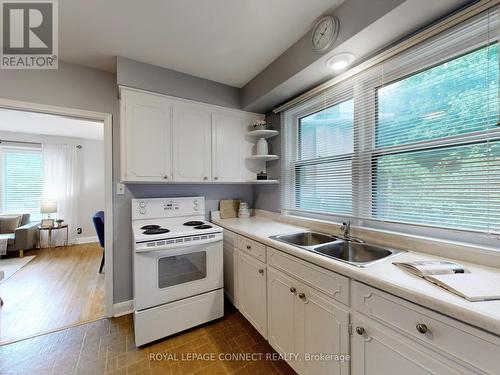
(324, 33)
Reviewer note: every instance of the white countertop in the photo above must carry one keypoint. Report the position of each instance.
(383, 274)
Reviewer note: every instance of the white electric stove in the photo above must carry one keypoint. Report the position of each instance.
(177, 267)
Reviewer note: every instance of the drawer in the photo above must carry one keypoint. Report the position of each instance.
(328, 282)
(465, 344)
(252, 248)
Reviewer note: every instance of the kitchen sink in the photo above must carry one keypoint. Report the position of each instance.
(351, 251)
(305, 238)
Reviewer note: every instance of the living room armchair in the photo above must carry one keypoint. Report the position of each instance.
(24, 237)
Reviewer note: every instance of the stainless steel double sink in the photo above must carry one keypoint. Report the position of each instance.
(348, 250)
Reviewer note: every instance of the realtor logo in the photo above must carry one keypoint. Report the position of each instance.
(29, 37)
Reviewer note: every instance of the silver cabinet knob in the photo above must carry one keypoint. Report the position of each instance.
(302, 295)
(422, 328)
(216, 178)
(165, 177)
(205, 178)
(261, 271)
(360, 330)
(293, 290)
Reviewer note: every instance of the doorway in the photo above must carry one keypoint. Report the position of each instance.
(56, 178)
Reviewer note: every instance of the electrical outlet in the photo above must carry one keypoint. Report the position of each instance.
(120, 188)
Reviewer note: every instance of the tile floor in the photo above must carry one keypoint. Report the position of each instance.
(107, 347)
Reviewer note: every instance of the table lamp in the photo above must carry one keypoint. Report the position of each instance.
(48, 207)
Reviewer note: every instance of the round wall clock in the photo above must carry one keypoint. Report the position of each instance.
(324, 33)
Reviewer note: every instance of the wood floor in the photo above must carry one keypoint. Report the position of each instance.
(107, 347)
(58, 288)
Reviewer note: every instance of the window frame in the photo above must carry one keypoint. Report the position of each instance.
(363, 92)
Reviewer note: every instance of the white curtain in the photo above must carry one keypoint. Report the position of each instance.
(60, 184)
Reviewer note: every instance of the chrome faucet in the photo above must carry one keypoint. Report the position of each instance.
(346, 229)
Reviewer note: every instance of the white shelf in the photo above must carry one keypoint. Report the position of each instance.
(263, 133)
(263, 157)
(263, 182)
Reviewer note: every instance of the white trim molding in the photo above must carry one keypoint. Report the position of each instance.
(123, 308)
(82, 240)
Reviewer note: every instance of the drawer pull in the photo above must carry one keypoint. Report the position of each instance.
(422, 328)
(261, 271)
(249, 247)
(293, 290)
(360, 330)
(302, 295)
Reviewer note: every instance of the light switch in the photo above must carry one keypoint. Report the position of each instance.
(120, 188)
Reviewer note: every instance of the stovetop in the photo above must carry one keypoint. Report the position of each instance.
(155, 229)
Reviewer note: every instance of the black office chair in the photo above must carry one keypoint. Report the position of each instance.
(98, 220)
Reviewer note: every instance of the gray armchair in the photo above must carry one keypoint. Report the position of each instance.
(25, 237)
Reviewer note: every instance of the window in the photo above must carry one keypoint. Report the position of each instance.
(323, 171)
(411, 142)
(443, 172)
(22, 178)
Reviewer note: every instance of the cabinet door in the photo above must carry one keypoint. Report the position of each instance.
(322, 327)
(281, 312)
(147, 128)
(252, 296)
(382, 350)
(191, 144)
(230, 266)
(227, 153)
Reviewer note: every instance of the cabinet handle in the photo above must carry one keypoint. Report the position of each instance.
(293, 290)
(261, 271)
(216, 178)
(422, 328)
(165, 177)
(205, 178)
(360, 330)
(302, 295)
(249, 247)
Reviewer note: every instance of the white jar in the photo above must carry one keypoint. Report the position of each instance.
(262, 148)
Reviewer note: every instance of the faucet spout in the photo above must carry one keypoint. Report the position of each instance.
(346, 229)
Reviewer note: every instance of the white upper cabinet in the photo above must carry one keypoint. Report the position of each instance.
(227, 152)
(146, 137)
(166, 139)
(192, 147)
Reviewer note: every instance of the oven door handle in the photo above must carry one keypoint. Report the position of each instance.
(159, 251)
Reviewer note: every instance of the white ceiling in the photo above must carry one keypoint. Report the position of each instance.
(40, 123)
(228, 41)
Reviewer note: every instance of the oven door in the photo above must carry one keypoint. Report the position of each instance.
(166, 275)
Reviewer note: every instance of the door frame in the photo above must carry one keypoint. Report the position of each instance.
(107, 120)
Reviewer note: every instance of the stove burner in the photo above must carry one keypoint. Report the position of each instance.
(193, 223)
(205, 226)
(156, 231)
(150, 227)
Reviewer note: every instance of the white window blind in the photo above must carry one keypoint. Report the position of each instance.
(22, 181)
(413, 141)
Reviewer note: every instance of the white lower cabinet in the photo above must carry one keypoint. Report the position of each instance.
(308, 323)
(379, 350)
(230, 266)
(252, 291)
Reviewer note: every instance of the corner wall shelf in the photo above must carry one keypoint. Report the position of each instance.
(263, 133)
(263, 157)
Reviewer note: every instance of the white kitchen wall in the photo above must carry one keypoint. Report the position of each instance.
(90, 174)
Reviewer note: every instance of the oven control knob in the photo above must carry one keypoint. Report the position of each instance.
(196, 208)
(196, 202)
(142, 204)
(142, 211)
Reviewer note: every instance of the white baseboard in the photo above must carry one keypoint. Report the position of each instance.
(123, 308)
(82, 240)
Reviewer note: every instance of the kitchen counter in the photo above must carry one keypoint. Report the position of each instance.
(383, 274)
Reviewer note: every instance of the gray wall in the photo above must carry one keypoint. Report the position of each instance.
(169, 82)
(267, 197)
(75, 86)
